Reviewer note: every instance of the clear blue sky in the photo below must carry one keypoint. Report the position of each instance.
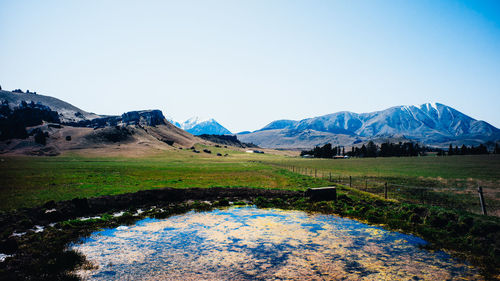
(247, 63)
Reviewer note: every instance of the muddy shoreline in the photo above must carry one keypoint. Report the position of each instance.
(52, 211)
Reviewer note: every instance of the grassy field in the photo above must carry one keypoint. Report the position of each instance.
(479, 167)
(31, 181)
(446, 181)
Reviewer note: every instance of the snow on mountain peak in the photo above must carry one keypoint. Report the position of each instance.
(201, 125)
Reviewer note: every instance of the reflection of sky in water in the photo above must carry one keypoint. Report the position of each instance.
(250, 243)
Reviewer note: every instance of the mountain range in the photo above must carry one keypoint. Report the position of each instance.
(430, 123)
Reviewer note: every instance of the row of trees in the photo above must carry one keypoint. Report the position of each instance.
(326, 151)
(394, 149)
(368, 150)
(465, 150)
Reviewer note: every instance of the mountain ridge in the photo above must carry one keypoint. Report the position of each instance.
(431, 123)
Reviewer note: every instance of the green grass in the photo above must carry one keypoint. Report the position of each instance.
(450, 182)
(407, 169)
(31, 181)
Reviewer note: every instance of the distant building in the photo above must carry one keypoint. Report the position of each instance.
(254, 151)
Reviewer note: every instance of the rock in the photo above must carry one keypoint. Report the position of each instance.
(68, 138)
(144, 118)
(322, 193)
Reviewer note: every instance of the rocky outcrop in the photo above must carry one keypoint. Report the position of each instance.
(141, 118)
(144, 118)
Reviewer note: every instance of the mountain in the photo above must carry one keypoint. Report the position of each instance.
(198, 126)
(175, 123)
(430, 123)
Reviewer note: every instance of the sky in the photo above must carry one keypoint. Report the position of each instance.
(247, 63)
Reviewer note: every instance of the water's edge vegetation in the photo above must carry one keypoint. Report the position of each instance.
(44, 255)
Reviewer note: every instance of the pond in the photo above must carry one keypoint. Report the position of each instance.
(247, 243)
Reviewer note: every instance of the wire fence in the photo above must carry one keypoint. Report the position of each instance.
(479, 200)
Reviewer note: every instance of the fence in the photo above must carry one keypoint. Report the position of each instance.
(477, 200)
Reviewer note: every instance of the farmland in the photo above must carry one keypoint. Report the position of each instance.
(31, 181)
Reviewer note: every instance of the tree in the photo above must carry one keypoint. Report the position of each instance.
(371, 149)
(362, 152)
(450, 150)
(464, 150)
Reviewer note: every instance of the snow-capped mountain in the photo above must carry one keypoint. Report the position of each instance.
(175, 123)
(200, 126)
(431, 123)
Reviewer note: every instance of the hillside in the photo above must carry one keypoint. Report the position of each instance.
(40, 125)
(67, 112)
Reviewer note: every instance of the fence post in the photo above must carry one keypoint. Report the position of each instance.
(330, 176)
(481, 200)
(315, 173)
(385, 190)
(350, 181)
(366, 184)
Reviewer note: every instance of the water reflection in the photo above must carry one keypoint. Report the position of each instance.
(247, 243)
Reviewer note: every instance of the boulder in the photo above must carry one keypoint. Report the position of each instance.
(322, 193)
